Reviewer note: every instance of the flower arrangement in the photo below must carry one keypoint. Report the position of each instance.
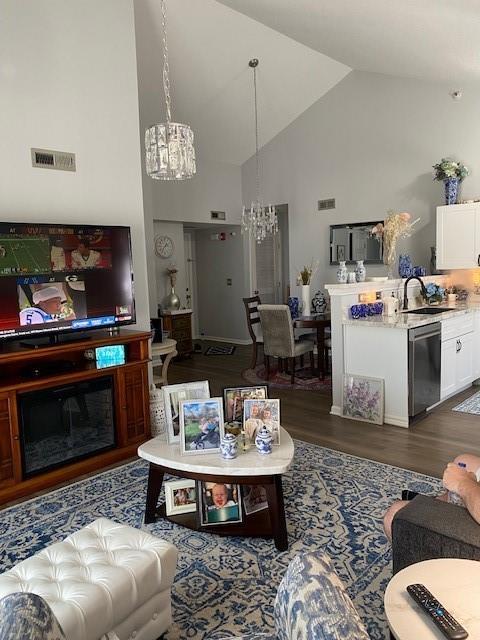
(448, 168)
(395, 226)
(435, 293)
(172, 274)
(306, 274)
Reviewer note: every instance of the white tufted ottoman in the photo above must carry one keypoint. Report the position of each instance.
(106, 577)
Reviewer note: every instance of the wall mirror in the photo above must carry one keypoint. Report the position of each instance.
(353, 241)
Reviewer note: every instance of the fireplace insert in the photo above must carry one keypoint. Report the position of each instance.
(63, 424)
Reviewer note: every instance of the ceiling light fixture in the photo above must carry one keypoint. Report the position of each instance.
(169, 150)
(258, 220)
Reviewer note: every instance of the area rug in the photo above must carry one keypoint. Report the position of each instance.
(470, 405)
(220, 351)
(303, 379)
(225, 587)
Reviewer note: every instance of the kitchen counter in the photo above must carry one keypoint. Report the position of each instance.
(403, 320)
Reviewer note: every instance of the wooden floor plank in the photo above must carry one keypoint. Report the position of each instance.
(426, 447)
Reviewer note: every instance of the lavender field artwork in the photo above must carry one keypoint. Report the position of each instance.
(363, 398)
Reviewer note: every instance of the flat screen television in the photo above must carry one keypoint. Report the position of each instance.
(58, 278)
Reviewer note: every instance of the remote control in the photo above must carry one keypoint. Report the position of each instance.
(437, 612)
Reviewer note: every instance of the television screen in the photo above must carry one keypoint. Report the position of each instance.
(56, 278)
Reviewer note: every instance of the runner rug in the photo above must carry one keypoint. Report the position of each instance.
(225, 587)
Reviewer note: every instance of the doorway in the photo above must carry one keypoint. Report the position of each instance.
(269, 263)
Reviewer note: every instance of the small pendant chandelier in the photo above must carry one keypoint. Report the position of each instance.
(258, 220)
(169, 150)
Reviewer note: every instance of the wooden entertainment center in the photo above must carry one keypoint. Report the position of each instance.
(130, 394)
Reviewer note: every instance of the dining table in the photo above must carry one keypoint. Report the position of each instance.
(320, 322)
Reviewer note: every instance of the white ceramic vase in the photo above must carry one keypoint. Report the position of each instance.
(306, 299)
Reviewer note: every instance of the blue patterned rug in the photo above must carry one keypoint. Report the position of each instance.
(226, 586)
(470, 405)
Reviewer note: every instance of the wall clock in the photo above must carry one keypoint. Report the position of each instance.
(164, 246)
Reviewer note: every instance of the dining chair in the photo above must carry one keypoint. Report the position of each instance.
(278, 337)
(251, 309)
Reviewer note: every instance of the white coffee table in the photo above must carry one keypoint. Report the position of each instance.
(455, 583)
(162, 353)
(248, 468)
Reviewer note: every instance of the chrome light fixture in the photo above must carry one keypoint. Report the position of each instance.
(258, 220)
(169, 150)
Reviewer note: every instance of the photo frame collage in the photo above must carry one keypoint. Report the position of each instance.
(197, 423)
(215, 503)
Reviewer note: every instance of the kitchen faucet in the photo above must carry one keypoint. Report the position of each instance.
(405, 298)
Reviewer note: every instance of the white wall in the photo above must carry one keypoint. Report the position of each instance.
(175, 231)
(69, 82)
(370, 143)
(221, 313)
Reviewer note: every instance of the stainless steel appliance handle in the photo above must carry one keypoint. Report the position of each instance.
(424, 335)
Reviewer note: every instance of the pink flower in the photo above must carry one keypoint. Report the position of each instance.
(405, 216)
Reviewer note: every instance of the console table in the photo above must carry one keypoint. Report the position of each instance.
(179, 325)
(249, 468)
(130, 403)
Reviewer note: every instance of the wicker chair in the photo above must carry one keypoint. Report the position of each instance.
(278, 337)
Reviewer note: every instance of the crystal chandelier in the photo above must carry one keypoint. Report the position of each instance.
(258, 220)
(169, 150)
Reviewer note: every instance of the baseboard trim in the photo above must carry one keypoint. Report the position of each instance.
(387, 419)
(217, 339)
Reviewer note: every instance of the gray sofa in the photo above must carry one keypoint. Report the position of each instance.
(428, 528)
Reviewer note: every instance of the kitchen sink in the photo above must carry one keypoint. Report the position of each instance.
(430, 311)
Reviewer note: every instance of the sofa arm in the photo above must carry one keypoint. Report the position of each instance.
(428, 528)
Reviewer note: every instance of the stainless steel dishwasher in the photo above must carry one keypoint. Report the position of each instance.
(424, 367)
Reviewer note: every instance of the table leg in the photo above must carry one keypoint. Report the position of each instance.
(155, 480)
(276, 509)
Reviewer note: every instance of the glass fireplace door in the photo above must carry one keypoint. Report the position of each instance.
(64, 424)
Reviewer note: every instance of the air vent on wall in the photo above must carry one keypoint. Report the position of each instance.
(48, 159)
(217, 215)
(329, 203)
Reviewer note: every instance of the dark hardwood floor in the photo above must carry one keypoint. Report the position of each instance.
(426, 447)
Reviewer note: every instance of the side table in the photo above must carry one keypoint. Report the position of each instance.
(162, 353)
(455, 583)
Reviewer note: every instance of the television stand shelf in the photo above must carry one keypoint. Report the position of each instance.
(130, 404)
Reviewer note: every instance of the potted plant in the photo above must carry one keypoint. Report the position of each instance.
(451, 173)
(435, 293)
(304, 279)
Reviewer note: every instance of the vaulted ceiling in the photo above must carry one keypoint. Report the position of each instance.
(305, 47)
(435, 40)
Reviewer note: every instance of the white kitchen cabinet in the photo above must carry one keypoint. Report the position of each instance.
(449, 368)
(476, 346)
(457, 359)
(458, 236)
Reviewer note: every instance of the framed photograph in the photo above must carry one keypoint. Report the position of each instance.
(219, 503)
(173, 394)
(340, 252)
(363, 398)
(233, 398)
(180, 496)
(254, 498)
(201, 426)
(259, 413)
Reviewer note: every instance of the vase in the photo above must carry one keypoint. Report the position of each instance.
(306, 299)
(360, 271)
(293, 306)
(172, 301)
(451, 190)
(391, 271)
(405, 269)
(433, 261)
(264, 441)
(229, 446)
(342, 272)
